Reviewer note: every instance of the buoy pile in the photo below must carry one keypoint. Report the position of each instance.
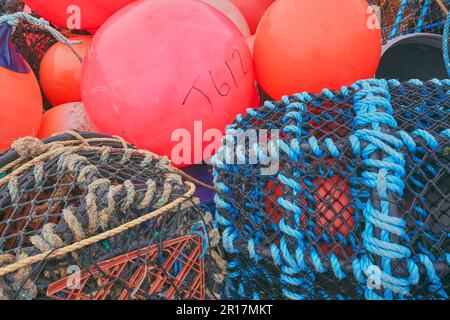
(90, 217)
(360, 211)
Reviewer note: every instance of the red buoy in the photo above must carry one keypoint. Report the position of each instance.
(77, 14)
(332, 208)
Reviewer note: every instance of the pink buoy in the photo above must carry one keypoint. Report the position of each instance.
(164, 69)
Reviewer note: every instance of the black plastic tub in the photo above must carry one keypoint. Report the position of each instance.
(414, 56)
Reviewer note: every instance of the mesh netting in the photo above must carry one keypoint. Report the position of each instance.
(33, 41)
(359, 206)
(29, 40)
(399, 17)
(90, 217)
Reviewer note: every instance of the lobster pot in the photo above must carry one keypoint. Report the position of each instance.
(84, 216)
(341, 195)
(32, 43)
(400, 17)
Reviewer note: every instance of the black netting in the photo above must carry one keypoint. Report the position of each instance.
(358, 204)
(33, 42)
(74, 188)
(11, 6)
(400, 17)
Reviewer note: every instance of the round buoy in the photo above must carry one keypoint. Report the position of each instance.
(69, 116)
(77, 14)
(186, 70)
(333, 212)
(60, 71)
(304, 45)
(332, 208)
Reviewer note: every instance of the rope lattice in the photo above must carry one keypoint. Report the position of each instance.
(124, 219)
(445, 43)
(400, 17)
(359, 207)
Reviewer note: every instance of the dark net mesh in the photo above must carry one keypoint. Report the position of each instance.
(11, 6)
(90, 217)
(400, 17)
(356, 202)
(30, 41)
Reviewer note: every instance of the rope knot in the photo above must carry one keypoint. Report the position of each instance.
(29, 147)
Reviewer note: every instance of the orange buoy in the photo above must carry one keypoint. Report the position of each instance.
(69, 116)
(60, 71)
(188, 66)
(20, 96)
(303, 45)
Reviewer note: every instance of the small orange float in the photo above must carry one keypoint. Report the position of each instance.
(69, 116)
(60, 71)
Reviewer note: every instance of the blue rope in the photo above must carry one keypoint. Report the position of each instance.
(203, 235)
(294, 252)
(445, 43)
(423, 15)
(399, 18)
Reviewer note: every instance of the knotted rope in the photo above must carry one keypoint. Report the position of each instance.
(95, 239)
(101, 206)
(382, 147)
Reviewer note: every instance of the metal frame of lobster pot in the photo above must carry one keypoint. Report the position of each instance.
(413, 56)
